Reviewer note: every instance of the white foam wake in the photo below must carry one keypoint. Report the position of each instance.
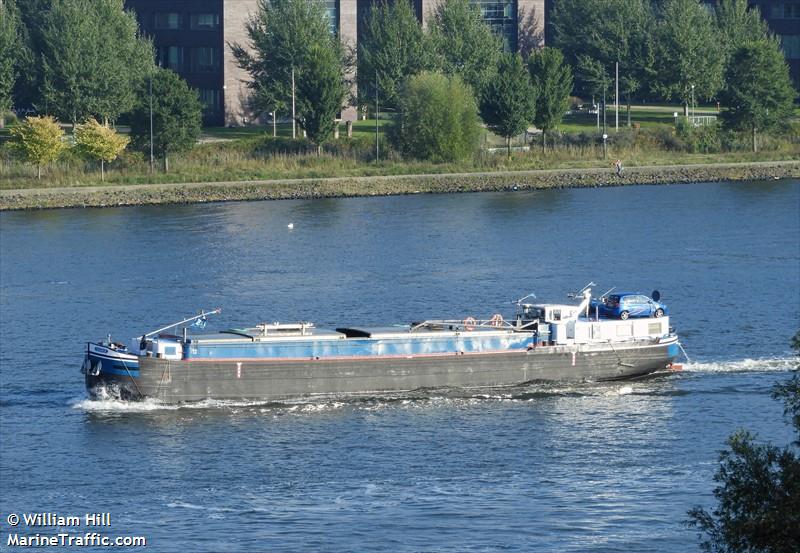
(768, 364)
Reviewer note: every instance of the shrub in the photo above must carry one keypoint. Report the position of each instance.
(39, 140)
(438, 119)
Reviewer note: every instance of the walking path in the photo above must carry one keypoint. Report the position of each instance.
(137, 194)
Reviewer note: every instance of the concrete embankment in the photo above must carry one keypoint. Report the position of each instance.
(103, 196)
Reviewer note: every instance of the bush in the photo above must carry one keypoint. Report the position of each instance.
(704, 140)
(438, 119)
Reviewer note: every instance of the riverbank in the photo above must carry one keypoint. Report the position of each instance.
(280, 189)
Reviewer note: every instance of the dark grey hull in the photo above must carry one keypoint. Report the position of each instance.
(182, 381)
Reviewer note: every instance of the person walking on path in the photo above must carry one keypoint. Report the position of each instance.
(618, 166)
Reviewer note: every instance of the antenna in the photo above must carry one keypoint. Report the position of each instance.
(523, 298)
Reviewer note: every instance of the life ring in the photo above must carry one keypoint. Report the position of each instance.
(496, 320)
(469, 323)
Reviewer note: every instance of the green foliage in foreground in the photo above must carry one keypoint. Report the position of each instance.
(177, 116)
(38, 140)
(758, 490)
(438, 119)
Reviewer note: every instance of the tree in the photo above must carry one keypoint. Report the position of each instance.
(39, 140)
(509, 101)
(689, 53)
(283, 34)
(100, 142)
(594, 35)
(92, 59)
(322, 91)
(438, 118)
(758, 94)
(393, 48)
(739, 24)
(27, 87)
(9, 46)
(758, 490)
(464, 44)
(552, 79)
(177, 116)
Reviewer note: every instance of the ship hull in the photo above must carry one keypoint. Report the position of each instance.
(176, 381)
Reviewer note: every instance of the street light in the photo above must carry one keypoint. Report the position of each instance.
(692, 104)
(274, 127)
(152, 163)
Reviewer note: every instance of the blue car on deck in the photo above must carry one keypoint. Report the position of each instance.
(623, 305)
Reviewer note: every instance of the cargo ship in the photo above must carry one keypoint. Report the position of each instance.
(183, 362)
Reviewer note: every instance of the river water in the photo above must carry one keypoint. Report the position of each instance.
(583, 467)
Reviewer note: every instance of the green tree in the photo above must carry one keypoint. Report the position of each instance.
(594, 35)
(438, 118)
(177, 116)
(393, 47)
(552, 79)
(38, 140)
(509, 101)
(758, 490)
(758, 95)
(322, 90)
(92, 59)
(689, 53)
(10, 43)
(283, 36)
(27, 88)
(739, 24)
(100, 142)
(464, 44)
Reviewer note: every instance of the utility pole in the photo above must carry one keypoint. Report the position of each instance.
(616, 98)
(377, 147)
(294, 119)
(605, 130)
(152, 162)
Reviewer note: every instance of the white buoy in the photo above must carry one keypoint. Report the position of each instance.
(290, 226)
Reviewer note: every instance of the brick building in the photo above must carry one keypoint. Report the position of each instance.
(191, 37)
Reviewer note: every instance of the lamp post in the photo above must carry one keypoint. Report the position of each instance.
(152, 162)
(274, 126)
(692, 104)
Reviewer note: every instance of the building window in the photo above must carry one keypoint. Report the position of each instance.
(785, 10)
(171, 57)
(211, 99)
(204, 59)
(167, 20)
(332, 10)
(204, 21)
(501, 16)
(791, 46)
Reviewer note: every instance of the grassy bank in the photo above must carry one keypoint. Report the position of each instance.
(387, 185)
(251, 154)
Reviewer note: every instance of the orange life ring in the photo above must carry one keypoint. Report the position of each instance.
(496, 320)
(469, 323)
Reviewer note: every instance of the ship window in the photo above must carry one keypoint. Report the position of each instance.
(654, 328)
(556, 314)
(170, 350)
